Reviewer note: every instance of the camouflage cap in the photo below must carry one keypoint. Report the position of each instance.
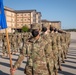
(36, 26)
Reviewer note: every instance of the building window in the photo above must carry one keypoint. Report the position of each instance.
(21, 19)
(39, 17)
(17, 19)
(17, 24)
(39, 21)
(29, 14)
(21, 15)
(12, 15)
(29, 19)
(34, 20)
(17, 14)
(34, 15)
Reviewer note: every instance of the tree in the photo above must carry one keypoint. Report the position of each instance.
(25, 28)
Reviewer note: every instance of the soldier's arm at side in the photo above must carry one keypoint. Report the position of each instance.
(19, 61)
(20, 58)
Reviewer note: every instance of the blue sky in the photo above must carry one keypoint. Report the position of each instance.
(53, 10)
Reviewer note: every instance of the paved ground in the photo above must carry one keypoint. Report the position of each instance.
(69, 67)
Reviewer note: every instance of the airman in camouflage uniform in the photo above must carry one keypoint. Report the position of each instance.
(59, 49)
(10, 37)
(19, 41)
(54, 48)
(49, 53)
(36, 64)
(4, 47)
(67, 39)
(63, 46)
(13, 44)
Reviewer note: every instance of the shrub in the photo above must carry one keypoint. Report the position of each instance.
(25, 28)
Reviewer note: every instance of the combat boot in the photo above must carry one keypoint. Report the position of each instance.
(63, 61)
(60, 69)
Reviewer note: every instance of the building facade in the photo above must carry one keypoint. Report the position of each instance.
(56, 24)
(38, 17)
(16, 19)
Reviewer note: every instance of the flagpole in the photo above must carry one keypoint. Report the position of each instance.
(8, 45)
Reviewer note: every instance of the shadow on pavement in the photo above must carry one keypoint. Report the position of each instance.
(9, 59)
(8, 65)
(21, 69)
(5, 64)
(68, 66)
(71, 57)
(65, 73)
(13, 59)
(71, 54)
(2, 73)
(72, 48)
(70, 61)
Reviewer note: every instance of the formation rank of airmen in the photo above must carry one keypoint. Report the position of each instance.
(45, 48)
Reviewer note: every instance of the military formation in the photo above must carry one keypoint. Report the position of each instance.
(44, 46)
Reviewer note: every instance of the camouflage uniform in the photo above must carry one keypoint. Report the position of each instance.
(65, 48)
(59, 49)
(69, 37)
(67, 41)
(0, 37)
(63, 44)
(4, 47)
(55, 50)
(49, 51)
(10, 37)
(19, 41)
(13, 44)
(36, 63)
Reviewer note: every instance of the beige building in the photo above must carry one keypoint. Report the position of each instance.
(25, 17)
(16, 19)
(56, 24)
(45, 22)
(10, 18)
(38, 17)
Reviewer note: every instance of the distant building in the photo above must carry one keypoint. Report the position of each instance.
(16, 19)
(38, 17)
(45, 22)
(56, 24)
